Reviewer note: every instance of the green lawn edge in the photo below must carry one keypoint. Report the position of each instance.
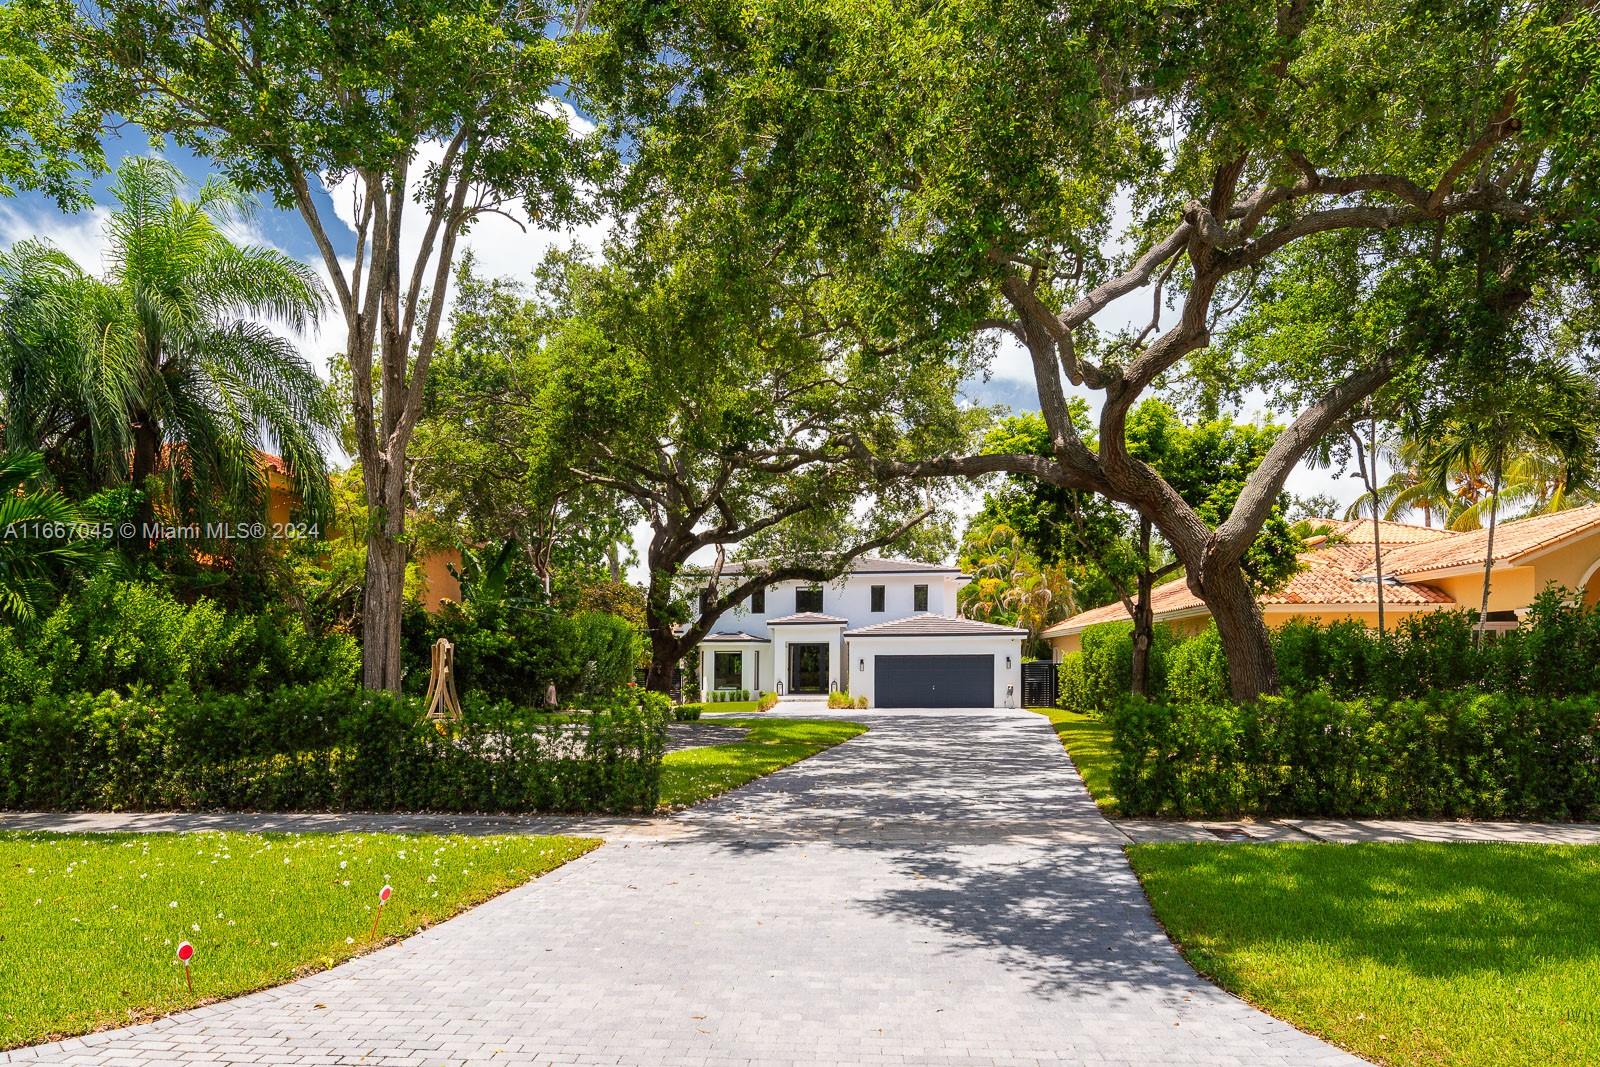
(692, 775)
(88, 944)
(1409, 954)
(1088, 743)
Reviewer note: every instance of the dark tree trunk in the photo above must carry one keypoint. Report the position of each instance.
(1488, 556)
(1144, 626)
(666, 652)
(145, 463)
(667, 649)
(1252, 670)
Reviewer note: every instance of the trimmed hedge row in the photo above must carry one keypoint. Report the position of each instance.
(1484, 756)
(1555, 653)
(324, 748)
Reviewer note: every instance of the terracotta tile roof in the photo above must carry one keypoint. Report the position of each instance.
(1328, 576)
(1391, 533)
(929, 625)
(1512, 540)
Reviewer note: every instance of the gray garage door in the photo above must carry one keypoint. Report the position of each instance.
(935, 681)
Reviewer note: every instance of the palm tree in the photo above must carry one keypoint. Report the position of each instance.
(1011, 586)
(166, 368)
(1534, 408)
(39, 536)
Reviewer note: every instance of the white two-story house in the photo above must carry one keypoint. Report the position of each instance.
(887, 630)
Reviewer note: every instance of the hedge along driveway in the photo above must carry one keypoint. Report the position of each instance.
(1487, 756)
(313, 749)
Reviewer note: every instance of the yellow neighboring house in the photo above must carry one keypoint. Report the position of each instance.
(1425, 569)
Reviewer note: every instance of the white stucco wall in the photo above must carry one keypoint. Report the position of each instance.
(850, 598)
(784, 636)
(1007, 681)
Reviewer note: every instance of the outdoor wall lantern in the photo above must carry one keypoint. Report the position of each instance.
(1008, 663)
(780, 687)
(861, 664)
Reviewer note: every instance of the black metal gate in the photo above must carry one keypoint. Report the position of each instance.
(1039, 684)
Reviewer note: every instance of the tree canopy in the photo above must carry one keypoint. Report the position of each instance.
(1011, 169)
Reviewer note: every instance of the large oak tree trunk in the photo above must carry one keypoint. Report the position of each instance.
(1252, 670)
(665, 652)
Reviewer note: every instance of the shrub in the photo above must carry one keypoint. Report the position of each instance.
(687, 712)
(323, 748)
(1445, 755)
(507, 652)
(861, 702)
(115, 634)
(1197, 670)
(767, 702)
(836, 699)
(1074, 691)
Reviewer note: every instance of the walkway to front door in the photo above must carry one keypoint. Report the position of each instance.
(939, 890)
(808, 669)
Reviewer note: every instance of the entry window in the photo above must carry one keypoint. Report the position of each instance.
(758, 601)
(877, 598)
(727, 670)
(919, 598)
(808, 599)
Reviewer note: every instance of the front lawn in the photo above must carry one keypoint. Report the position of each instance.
(90, 923)
(1466, 954)
(691, 775)
(1088, 741)
(733, 707)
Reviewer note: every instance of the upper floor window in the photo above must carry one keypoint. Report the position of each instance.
(808, 599)
(919, 598)
(758, 601)
(877, 598)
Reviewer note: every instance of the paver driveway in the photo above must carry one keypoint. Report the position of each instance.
(936, 891)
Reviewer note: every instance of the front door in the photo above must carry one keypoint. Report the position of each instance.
(808, 668)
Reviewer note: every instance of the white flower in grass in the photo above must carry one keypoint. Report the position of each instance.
(194, 928)
(343, 864)
(349, 940)
(172, 903)
(346, 882)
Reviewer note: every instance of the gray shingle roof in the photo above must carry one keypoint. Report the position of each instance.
(935, 626)
(809, 618)
(863, 565)
(732, 636)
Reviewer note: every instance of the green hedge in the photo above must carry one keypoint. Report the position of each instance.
(1555, 653)
(324, 748)
(513, 653)
(1446, 755)
(116, 634)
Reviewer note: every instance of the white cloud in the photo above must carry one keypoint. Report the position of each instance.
(80, 236)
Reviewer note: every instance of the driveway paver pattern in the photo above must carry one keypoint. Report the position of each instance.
(939, 890)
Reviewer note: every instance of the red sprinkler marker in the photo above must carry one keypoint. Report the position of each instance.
(185, 954)
(383, 898)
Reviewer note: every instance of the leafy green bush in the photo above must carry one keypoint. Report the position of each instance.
(1196, 669)
(1073, 692)
(116, 634)
(767, 702)
(511, 653)
(323, 748)
(687, 712)
(1446, 755)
